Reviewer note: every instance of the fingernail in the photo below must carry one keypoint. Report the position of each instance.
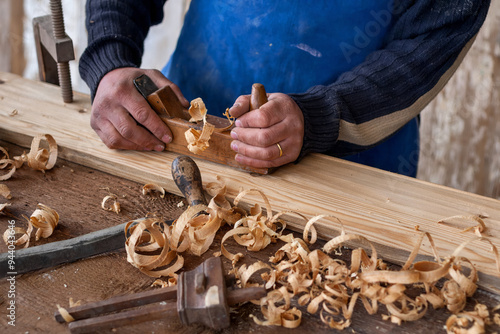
(236, 105)
(166, 139)
(234, 135)
(234, 146)
(159, 148)
(238, 123)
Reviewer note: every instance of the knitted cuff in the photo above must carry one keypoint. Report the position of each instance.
(321, 119)
(105, 55)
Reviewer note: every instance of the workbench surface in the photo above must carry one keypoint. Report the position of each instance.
(76, 192)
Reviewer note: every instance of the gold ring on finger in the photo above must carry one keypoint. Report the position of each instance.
(281, 150)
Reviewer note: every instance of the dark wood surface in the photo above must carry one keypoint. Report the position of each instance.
(76, 192)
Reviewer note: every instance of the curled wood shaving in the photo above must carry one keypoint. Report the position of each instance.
(4, 158)
(197, 110)
(231, 120)
(465, 323)
(151, 187)
(37, 158)
(45, 219)
(6, 162)
(198, 141)
(41, 158)
(276, 309)
(24, 238)
(115, 205)
(148, 236)
(459, 221)
(195, 229)
(5, 191)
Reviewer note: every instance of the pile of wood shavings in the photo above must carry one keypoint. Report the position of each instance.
(321, 283)
(38, 158)
(43, 218)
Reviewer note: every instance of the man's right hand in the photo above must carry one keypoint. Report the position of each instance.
(122, 117)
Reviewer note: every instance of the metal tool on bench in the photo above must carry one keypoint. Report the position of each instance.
(202, 297)
(54, 50)
(186, 175)
(168, 107)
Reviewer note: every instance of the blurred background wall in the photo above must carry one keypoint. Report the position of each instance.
(460, 129)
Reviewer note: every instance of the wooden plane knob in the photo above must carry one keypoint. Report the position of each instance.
(258, 97)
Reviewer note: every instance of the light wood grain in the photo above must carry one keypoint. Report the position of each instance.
(381, 206)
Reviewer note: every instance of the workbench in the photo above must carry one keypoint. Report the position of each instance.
(76, 191)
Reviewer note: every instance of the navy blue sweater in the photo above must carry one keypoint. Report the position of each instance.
(426, 42)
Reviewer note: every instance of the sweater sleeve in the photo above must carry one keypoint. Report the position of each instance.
(116, 33)
(427, 41)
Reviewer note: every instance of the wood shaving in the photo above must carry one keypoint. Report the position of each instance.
(276, 309)
(65, 314)
(13, 112)
(320, 282)
(38, 158)
(146, 237)
(3, 207)
(197, 110)
(115, 205)
(468, 322)
(72, 303)
(171, 281)
(5, 191)
(45, 219)
(198, 141)
(459, 221)
(41, 158)
(151, 187)
(4, 158)
(231, 120)
(22, 240)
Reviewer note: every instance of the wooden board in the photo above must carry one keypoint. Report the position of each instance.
(384, 207)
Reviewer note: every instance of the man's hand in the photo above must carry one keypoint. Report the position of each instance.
(122, 117)
(257, 132)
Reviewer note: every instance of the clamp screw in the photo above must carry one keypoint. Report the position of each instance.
(62, 67)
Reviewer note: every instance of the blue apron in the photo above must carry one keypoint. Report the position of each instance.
(288, 46)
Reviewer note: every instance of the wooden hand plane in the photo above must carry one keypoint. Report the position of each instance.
(169, 108)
